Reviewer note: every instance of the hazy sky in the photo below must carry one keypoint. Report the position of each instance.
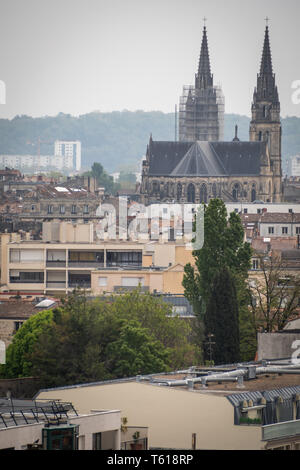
(78, 56)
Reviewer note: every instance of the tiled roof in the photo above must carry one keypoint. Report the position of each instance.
(205, 158)
(17, 309)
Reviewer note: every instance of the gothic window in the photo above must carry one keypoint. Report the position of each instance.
(191, 193)
(264, 111)
(203, 193)
(236, 191)
(155, 186)
(214, 190)
(253, 192)
(179, 191)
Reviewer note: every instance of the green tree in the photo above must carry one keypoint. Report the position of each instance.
(18, 362)
(102, 178)
(136, 352)
(156, 316)
(88, 340)
(70, 351)
(221, 319)
(223, 246)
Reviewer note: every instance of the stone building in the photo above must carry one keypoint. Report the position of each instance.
(195, 171)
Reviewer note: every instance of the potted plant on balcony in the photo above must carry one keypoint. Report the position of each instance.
(136, 445)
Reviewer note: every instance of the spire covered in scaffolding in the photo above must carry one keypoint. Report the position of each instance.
(204, 78)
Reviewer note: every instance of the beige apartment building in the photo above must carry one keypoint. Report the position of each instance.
(71, 256)
(181, 413)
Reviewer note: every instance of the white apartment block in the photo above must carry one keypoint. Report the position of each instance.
(70, 150)
(35, 162)
(294, 165)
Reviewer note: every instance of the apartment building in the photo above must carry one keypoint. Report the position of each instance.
(234, 407)
(71, 255)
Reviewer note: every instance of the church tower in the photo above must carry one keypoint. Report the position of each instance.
(265, 124)
(201, 109)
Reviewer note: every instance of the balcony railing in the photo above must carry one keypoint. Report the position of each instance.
(131, 288)
(56, 264)
(26, 281)
(281, 430)
(56, 284)
(86, 264)
(139, 444)
(81, 284)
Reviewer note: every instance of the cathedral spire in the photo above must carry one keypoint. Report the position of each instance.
(266, 60)
(204, 78)
(266, 89)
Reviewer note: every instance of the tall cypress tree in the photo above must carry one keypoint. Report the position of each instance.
(221, 319)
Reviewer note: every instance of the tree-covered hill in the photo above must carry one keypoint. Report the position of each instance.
(118, 138)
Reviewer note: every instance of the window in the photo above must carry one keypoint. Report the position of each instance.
(32, 208)
(18, 325)
(271, 230)
(85, 209)
(255, 264)
(284, 230)
(61, 209)
(298, 230)
(50, 209)
(258, 211)
(180, 310)
(132, 281)
(97, 441)
(102, 281)
(245, 211)
(73, 209)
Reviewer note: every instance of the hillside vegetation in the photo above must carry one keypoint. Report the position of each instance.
(118, 138)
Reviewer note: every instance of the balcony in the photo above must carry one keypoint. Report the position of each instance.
(131, 288)
(80, 284)
(281, 430)
(134, 438)
(86, 259)
(56, 284)
(56, 264)
(86, 264)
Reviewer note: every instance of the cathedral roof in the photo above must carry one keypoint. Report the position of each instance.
(205, 158)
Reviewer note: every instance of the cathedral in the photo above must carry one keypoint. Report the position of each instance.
(200, 165)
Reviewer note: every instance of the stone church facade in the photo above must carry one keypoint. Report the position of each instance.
(196, 170)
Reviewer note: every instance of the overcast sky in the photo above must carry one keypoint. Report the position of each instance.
(78, 56)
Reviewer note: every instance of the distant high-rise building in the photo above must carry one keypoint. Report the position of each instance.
(293, 167)
(71, 150)
(201, 108)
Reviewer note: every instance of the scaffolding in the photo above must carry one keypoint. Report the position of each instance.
(201, 114)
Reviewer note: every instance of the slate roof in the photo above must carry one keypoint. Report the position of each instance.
(205, 158)
(270, 395)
